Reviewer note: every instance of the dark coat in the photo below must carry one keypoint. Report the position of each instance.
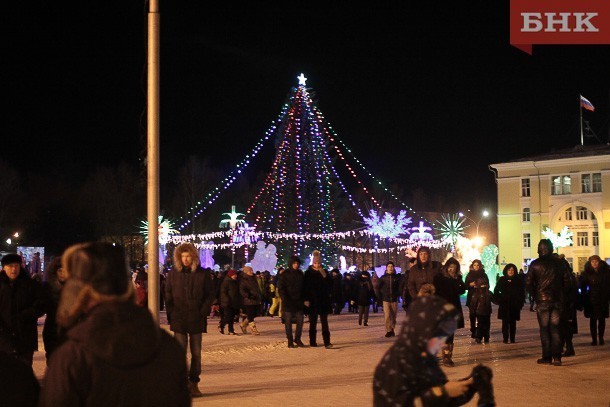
(548, 280)
(510, 297)
(318, 291)
(481, 297)
(52, 335)
(366, 294)
(18, 385)
(421, 274)
(451, 289)
(290, 287)
(595, 289)
(389, 287)
(249, 290)
(188, 299)
(229, 294)
(471, 277)
(117, 355)
(22, 302)
(338, 297)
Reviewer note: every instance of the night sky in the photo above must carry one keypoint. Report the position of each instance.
(425, 97)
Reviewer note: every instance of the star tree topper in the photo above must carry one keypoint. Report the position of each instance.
(302, 79)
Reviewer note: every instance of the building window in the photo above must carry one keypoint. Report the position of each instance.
(568, 214)
(582, 239)
(561, 185)
(526, 215)
(526, 264)
(595, 239)
(591, 183)
(525, 187)
(582, 213)
(570, 261)
(527, 242)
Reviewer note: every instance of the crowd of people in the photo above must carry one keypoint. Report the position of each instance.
(97, 327)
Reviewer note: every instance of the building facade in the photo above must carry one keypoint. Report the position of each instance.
(563, 188)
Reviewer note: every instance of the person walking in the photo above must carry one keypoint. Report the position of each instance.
(290, 288)
(317, 293)
(450, 286)
(595, 288)
(480, 309)
(389, 291)
(423, 271)
(230, 301)
(549, 282)
(114, 354)
(22, 302)
(509, 295)
(251, 299)
(365, 295)
(188, 297)
(338, 298)
(475, 272)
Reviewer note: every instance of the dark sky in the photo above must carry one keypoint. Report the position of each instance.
(425, 97)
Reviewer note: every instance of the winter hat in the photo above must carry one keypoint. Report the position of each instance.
(292, 260)
(317, 257)
(428, 317)
(103, 266)
(10, 258)
(231, 273)
(365, 274)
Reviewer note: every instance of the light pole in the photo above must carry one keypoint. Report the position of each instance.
(484, 215)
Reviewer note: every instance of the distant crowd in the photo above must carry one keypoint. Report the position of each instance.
(98, 332)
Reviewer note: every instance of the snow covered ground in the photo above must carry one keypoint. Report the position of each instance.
(249, 370)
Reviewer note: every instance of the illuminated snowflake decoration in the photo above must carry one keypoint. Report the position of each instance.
(420, 232)
(166, 230)
(451, 228)
(563, 239)
(387, 226)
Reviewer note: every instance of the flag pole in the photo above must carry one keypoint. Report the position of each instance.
(582, 139)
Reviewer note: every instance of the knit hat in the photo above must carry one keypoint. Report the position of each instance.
(231, 273)
(10, 258)
(317, 257)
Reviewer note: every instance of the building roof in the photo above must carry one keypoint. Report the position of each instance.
(573, 152)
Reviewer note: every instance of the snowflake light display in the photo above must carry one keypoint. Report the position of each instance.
(451, 228)
(563, 239)
(166, 230)
(388, 226)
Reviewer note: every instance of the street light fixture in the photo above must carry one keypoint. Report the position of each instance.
(484, 215)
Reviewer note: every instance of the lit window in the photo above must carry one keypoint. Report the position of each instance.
(595, 239)
(591, 183)
(568, 214)
(525, 187)
(527, 242)
(585, 182)
(582, 213)
(582, 239)
(561, 185)
(597, 182)
(526, 215)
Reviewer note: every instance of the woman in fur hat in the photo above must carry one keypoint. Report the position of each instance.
(114, 352)
(317, 293)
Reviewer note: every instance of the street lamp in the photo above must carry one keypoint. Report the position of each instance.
(484, 215)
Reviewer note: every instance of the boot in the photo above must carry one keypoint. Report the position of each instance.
(243, 326)
(447, 354)
(194, 390)
(569, 350)
(253, 327)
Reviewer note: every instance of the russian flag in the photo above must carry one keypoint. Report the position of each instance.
(586, 104)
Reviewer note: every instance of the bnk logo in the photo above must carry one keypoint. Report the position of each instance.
(559, 22)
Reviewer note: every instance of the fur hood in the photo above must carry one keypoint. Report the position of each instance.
(186, 248)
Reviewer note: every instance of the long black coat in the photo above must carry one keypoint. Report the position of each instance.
(366, 294)
(229, 294)
(290, 287)
(595, 289)
(117, 355)
(451, 289)
(188, 298)
(249, 290)
(22, 302)
(509, 294)
(472, 277)
(318, 291)
(338, 297)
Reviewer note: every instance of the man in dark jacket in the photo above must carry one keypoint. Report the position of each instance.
(389, 291)
(21, 304)
(423, 272)
(230, 301)
(549, 283)
(189, 293)
(114, 353)
(290, 287)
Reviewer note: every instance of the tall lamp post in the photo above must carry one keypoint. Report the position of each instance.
(484, 215)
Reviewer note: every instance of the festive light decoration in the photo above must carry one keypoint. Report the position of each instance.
(563, 239)
(451, 228)
(166, 230)
(302, 79)
(420, 232)
(233, 222)
(387, 226)
(488, 258)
